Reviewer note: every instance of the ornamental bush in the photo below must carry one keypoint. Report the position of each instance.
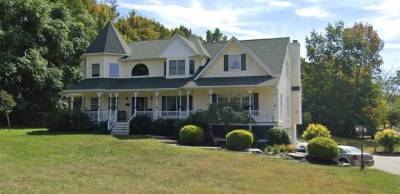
(239, 140)
(278, 136)
(140, 124)
(315, 130)
(323, 148)
(388, 138)
(191, 135)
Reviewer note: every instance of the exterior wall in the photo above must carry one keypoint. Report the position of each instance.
(284, 95)
(216, 69)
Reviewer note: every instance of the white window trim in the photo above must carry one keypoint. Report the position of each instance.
(229, 62)
(186, 59)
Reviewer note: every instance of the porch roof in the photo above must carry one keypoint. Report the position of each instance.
(128, 83)
(232, 81)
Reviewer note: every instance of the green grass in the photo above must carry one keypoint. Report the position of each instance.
(369, 144)
(44, 163)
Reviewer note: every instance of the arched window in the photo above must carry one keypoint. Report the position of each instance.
(140, 70)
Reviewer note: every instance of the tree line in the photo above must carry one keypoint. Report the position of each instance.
(41, 42)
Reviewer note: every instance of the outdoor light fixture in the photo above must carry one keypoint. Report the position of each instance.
(361, 131)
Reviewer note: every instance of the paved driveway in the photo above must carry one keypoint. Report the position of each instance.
(390, 164)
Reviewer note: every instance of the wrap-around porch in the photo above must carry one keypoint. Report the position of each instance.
(122, 106)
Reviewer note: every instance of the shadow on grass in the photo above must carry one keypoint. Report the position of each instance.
(129, 137)
(46, 132)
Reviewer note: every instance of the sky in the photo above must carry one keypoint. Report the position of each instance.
(251, 19)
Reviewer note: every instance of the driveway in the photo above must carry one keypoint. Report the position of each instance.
(390, 164)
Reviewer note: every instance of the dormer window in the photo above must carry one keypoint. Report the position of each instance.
(234, 62)
(176, 67)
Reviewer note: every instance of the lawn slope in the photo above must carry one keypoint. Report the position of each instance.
(34, 162)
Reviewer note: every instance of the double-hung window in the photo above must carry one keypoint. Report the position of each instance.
(176, 67)
(96, 70)
(234, 62)
(94, 103)
(114, 70)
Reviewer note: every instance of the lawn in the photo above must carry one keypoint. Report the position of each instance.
(35, 162)
(369, 144)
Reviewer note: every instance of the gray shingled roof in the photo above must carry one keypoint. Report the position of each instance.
(270, 51)
(110, 41)
(232, 81)
(128, 83)
(152, 49)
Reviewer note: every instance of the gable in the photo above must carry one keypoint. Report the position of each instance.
(177, 48)
(216, 67)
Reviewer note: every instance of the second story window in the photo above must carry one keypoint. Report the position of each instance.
(95, 70)
(114, 70)
(140, 70)
(234, 62)
(191, 67)
(176, 67)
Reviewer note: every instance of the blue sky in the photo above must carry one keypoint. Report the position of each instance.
(248, 19)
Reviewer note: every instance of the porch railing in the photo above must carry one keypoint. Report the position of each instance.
(92, 114)
(261, 116)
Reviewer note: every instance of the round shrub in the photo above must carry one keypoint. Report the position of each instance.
(191, 135)
(323, 148)
(140, 124)
(278, 136)
(388, 138)
(315, 130)
(239, 140)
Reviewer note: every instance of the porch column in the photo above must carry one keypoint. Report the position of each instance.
(275, 119)
(134, 108)
(109, 104)
(72, 103)
(250, 103)
(210, 93)
(116, 105)
(98, 105)
(155, 109)
(180, 101)
(187, 103)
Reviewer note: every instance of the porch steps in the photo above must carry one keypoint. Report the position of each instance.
(120, 128)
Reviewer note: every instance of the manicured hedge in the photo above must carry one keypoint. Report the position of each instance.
(140, 125)
(69, 122)
(323, 148)
(239, 140)
(278, 136)
(191, 135)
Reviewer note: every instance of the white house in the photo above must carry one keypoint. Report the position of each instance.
(172, 78)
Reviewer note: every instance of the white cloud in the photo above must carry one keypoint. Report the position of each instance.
(276, 3)
(195, 15)
(392, 45)
(314, 12)
(387, 21)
